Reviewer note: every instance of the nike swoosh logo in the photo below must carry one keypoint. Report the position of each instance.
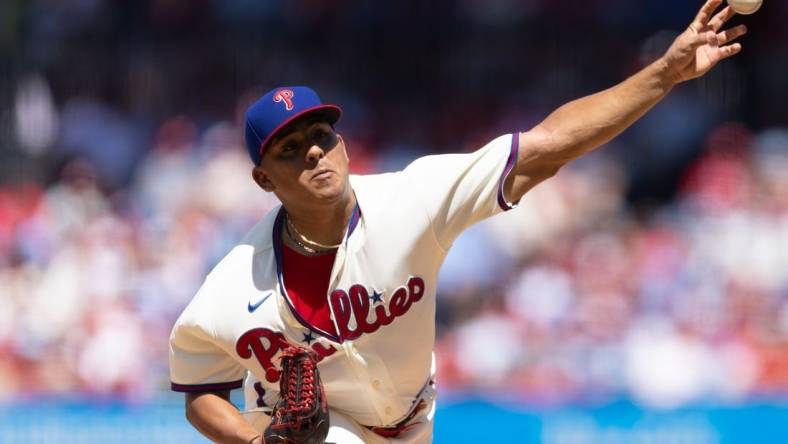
(253, 307)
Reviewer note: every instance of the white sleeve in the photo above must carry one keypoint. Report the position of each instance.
(459, 190)
(198, 364)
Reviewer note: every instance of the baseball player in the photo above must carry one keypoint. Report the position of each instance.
(324, 313)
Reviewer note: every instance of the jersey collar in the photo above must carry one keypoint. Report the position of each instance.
(276, 241)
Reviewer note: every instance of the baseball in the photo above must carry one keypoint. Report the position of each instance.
(745, 7)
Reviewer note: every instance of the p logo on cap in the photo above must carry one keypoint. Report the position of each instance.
(275, 110)
(285, 95)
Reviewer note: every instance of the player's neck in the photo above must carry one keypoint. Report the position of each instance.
(323, 224)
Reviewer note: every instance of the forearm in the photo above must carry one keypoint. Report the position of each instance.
(584, 124)
(216, 418)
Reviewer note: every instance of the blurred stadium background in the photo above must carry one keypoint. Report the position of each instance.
(641, 296)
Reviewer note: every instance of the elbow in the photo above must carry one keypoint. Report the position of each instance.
(189, 409)
(544, 171)
(551, 170)
(549, 148)
(189, 414)
(542, 153)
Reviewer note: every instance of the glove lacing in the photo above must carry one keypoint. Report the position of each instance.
(300, 396)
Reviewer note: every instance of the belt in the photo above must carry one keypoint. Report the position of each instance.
(403, 426)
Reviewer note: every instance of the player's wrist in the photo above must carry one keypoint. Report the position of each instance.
(667, 73)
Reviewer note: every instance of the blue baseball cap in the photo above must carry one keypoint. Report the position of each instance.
(277, 108)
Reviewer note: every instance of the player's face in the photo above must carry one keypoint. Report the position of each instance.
(306, 163)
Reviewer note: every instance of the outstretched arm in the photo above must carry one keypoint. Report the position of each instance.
(584, 124)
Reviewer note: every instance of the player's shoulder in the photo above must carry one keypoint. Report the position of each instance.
(237, 262)
(235, 268)
(233, 276)
(379, 193)
(390, 191)
(435, 163)
(196, 319)
(373, 183)
(260, 236)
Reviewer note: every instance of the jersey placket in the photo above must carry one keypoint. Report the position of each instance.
(355, 226)
(357, 361)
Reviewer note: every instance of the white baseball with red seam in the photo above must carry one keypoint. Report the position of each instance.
(745, 7)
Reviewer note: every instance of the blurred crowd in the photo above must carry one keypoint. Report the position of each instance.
(654, 269)
(91, 282)
(570, 297)
(588, 300)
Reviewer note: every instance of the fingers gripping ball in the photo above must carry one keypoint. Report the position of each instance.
(301, 414)
(745, 7)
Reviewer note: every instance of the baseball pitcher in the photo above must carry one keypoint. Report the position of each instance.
(324, 313)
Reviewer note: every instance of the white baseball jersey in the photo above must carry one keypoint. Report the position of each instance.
(381, 292)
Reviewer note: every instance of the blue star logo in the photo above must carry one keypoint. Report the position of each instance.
(308, 338)
(376, 297)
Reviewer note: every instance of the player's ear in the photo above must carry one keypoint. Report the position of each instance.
(261, 179)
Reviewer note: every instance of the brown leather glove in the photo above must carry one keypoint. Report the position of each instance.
(301, 414)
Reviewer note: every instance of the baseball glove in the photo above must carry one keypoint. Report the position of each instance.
(301, 414)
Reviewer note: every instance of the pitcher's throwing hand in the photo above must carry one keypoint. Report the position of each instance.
(704, 43)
